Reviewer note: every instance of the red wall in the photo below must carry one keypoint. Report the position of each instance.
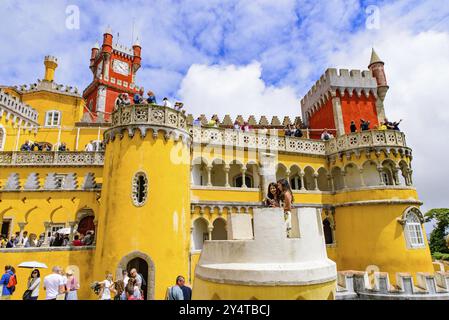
(322, 119)
(356, 108)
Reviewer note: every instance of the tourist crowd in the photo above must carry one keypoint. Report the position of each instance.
(55, 240)
(138, 98)
(60, 284)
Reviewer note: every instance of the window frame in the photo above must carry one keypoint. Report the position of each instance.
(50, 115)
(413, 231)
(135, 189)
(2, 137)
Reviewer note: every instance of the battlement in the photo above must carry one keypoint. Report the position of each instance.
(262, 122)
(51, 59)
(17, 110)
(355, 285)
(333, 80)
(123, 50)
(48, 86)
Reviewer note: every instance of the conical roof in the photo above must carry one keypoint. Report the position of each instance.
(374, 58)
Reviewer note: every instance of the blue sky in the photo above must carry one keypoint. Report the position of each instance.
(254, 57)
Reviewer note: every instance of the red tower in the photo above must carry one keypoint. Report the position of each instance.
(114, 68)
(342, 96)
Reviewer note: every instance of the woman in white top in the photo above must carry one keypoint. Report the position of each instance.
(107, 286)
(34, 282)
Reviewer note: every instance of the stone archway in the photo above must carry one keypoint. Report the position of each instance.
(122, 265)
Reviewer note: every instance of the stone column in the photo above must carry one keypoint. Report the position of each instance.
(95, 232)
(380, 170)
(22, 227)
(243, 171)
(397, 181)
(362, 179)
(410, 171)
(209, 180)
(72, 225)
(330, 182)
(287, 175)
(343, 175)
(315, 177)
(303, 185)
(210, 229)
(47, 226)
(226, 170)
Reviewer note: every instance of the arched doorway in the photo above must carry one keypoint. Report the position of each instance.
(219, 232)
(146, 268)
(328, 237)
(142, 268)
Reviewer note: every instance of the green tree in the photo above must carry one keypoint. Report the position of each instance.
(438, 235)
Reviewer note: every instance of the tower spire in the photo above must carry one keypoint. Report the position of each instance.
(374, 58)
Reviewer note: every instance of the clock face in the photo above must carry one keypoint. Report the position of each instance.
(120, 67)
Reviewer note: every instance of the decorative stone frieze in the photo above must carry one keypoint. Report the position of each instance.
(52, 158)
(129, 119)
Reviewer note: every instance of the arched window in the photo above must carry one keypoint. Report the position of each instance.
(327, 232)
(413, 230)
(239, 181)
(2, 137)
(52, 118)
(199, 233)
(295, 182)
(140, 189)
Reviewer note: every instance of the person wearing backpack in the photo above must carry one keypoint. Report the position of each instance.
(9, 283)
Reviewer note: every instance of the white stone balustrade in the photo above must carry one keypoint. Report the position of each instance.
(52, 158)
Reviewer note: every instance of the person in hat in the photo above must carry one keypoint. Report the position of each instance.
(72, 286)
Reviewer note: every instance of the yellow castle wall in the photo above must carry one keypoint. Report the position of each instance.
(160, 228)
(207, 290)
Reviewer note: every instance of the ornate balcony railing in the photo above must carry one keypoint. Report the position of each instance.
(52, 158)
(366, 139)
(148, 114)
(272, 141)
(256, 140)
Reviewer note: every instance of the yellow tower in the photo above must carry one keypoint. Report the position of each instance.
(145, 204)
(51, 63)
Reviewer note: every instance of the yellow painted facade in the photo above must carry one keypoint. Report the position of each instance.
(366, 218)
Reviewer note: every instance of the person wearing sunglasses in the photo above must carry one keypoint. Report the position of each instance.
(34, 281)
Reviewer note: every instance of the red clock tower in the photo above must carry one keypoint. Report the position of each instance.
(114, 68)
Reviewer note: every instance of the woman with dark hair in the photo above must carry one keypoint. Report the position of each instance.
(286, 201)
(34, 281)
(272, 199)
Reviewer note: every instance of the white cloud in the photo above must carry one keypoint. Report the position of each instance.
(235, 90)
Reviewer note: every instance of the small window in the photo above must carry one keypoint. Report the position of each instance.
(2, 137)
(60, 180)
(55, 227)
(414, 231)
(140, 189)
(52, 118)
(239, 181)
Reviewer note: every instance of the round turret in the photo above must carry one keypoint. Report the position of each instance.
(146, 190)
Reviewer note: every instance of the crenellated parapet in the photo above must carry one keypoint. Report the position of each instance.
(131, 118)
(19, 112)
(257, 123)
(355, 285)
(335, 81)
(42, 85)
